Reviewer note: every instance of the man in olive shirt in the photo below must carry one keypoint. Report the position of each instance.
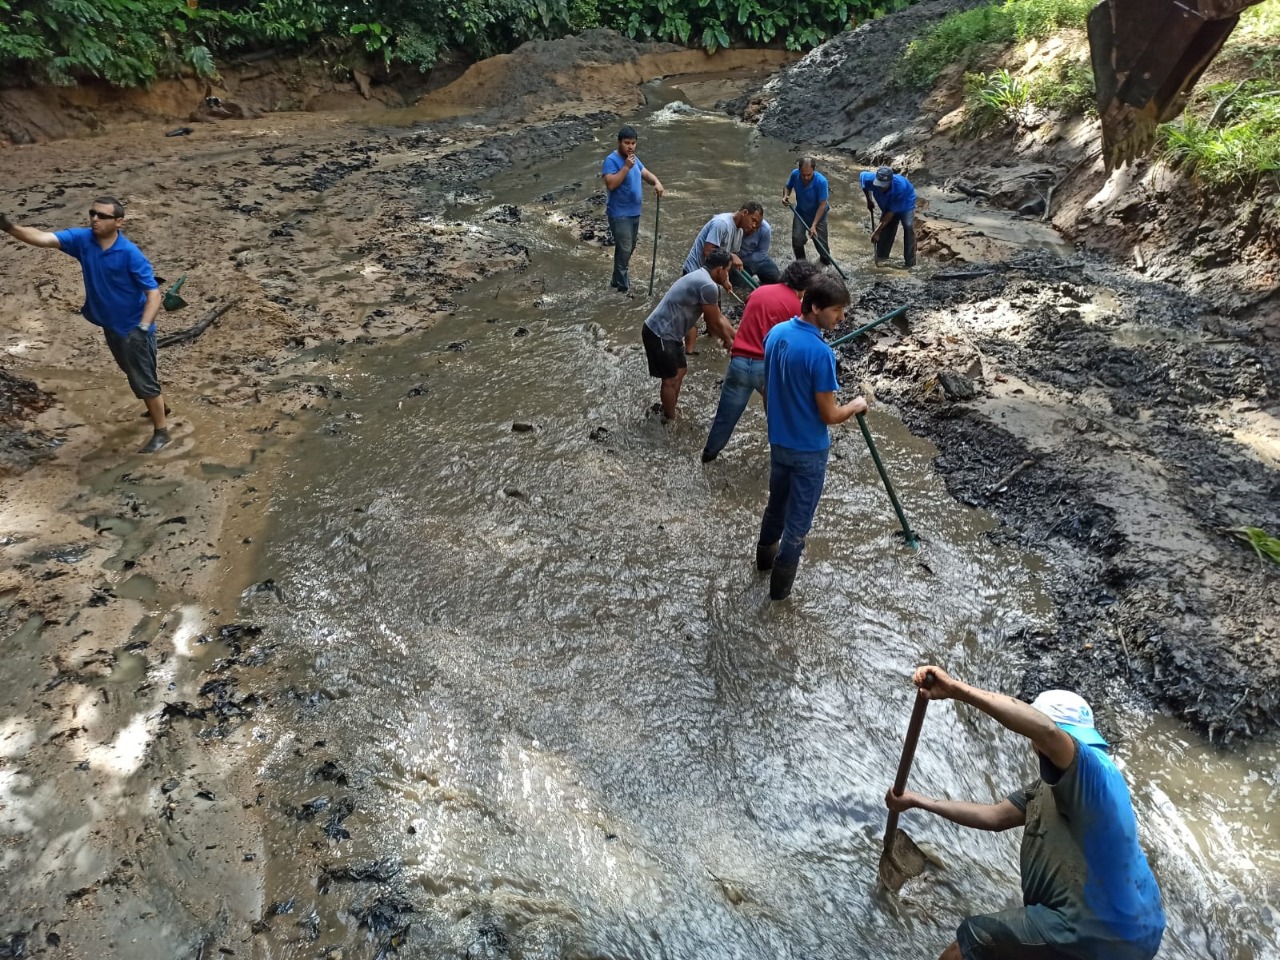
(1087, 890)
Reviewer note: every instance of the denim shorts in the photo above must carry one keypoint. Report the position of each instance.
(135, 354)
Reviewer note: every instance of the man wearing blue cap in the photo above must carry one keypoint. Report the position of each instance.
(624, 177)
(896, 198)
(1087, 890)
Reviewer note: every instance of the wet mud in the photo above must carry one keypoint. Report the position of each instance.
(143, 679)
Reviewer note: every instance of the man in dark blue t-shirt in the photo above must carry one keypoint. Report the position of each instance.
(800, 403)
(624, 176)
(1087, 890)
(120, 295)
(896, 197)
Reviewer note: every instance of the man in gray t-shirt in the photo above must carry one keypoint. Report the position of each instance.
(670, 332)
(725, 231)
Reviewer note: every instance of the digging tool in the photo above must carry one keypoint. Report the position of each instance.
(912, 542)
(657, 212)
(747, 279)
(819, 244)
(172, 301)
(891, 315)
(901, 859)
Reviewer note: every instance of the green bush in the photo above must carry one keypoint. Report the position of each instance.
(960, 37)
(132, 42)
(1230, 136)
(1065, 87)
(991, 99)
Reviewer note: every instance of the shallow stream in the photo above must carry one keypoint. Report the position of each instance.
(546, 672)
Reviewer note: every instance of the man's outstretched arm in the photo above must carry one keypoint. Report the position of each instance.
(981, 816)
(30, 235)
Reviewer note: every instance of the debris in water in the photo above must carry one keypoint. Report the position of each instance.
(519, 427)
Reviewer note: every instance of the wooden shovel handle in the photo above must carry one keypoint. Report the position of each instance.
(904, 764)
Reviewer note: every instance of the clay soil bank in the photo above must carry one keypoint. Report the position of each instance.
(1146, 408)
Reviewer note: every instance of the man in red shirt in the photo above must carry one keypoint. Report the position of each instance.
(767, 306)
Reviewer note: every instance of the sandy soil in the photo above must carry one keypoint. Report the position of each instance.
(126, 792)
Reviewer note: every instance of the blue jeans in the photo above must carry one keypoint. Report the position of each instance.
(742, 378)
(625, 230)
(795, 484)
(884, 246)
(764, 268)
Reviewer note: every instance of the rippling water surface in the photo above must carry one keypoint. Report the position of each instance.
(558, 695)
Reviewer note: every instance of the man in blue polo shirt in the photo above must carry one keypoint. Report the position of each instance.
(121, 297)
(800, 403)
(624, 176)
(812, 193)
(1087, 890)
(897, 200)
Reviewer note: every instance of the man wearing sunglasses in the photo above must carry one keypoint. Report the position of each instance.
(121, 296)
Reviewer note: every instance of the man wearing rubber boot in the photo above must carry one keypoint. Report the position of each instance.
(767, 306)
(896, 198)
(812, 195)
(121, 296)
(800, 403)
(1087, 890)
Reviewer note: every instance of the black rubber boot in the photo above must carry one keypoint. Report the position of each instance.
(765, 555)
(158, 441)
(780, 582)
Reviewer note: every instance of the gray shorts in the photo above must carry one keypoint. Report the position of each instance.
(135, 354)
(1014, 935)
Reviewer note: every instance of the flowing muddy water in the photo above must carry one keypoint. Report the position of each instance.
(537, 688)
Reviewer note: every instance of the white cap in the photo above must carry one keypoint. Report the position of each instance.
(1072, 713)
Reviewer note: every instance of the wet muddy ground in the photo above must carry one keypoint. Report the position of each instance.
(137, 714)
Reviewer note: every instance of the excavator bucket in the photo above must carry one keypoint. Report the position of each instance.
(1147, 55)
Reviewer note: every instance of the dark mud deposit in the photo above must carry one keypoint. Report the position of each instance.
(1139, 394)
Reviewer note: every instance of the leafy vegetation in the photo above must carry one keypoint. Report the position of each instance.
(132, 42)
(961, 37)
(993, 98)
(1230, 134)
(1264, 545)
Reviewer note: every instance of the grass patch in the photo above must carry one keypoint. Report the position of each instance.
(960, 37)
(1264, 545)
(1229, 135)
(1065, 88)
(993, 99)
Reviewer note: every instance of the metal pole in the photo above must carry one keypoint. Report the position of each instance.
(912, 542)
(891, 315)
(653, 267)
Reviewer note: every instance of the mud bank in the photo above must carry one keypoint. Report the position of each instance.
(1139, 376)
(127, 721)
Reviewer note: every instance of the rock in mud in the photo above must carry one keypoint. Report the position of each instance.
(956, 385)
(520, 427)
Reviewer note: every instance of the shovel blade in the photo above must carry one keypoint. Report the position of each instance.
(173, 302)
(901, 862)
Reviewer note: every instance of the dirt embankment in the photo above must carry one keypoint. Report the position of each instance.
(128, 697)
(1144, 396)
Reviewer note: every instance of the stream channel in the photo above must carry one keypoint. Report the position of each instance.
(566, 716)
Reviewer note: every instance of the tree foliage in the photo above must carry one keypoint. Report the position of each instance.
(133, 42)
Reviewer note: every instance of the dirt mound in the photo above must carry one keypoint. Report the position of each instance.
(843, 93)
(598, 67)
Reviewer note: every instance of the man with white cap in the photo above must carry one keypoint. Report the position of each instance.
(896, 198)
(1087, 890)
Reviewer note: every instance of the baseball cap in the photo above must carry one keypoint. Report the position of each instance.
(884, 177)
(1070, 712)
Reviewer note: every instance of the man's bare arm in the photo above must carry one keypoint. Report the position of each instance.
(833, 413)
(29, 235)
(150, 309)
(717, 325)
(981, 816)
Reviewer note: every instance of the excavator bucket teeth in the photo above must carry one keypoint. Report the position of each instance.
(1147, 55)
